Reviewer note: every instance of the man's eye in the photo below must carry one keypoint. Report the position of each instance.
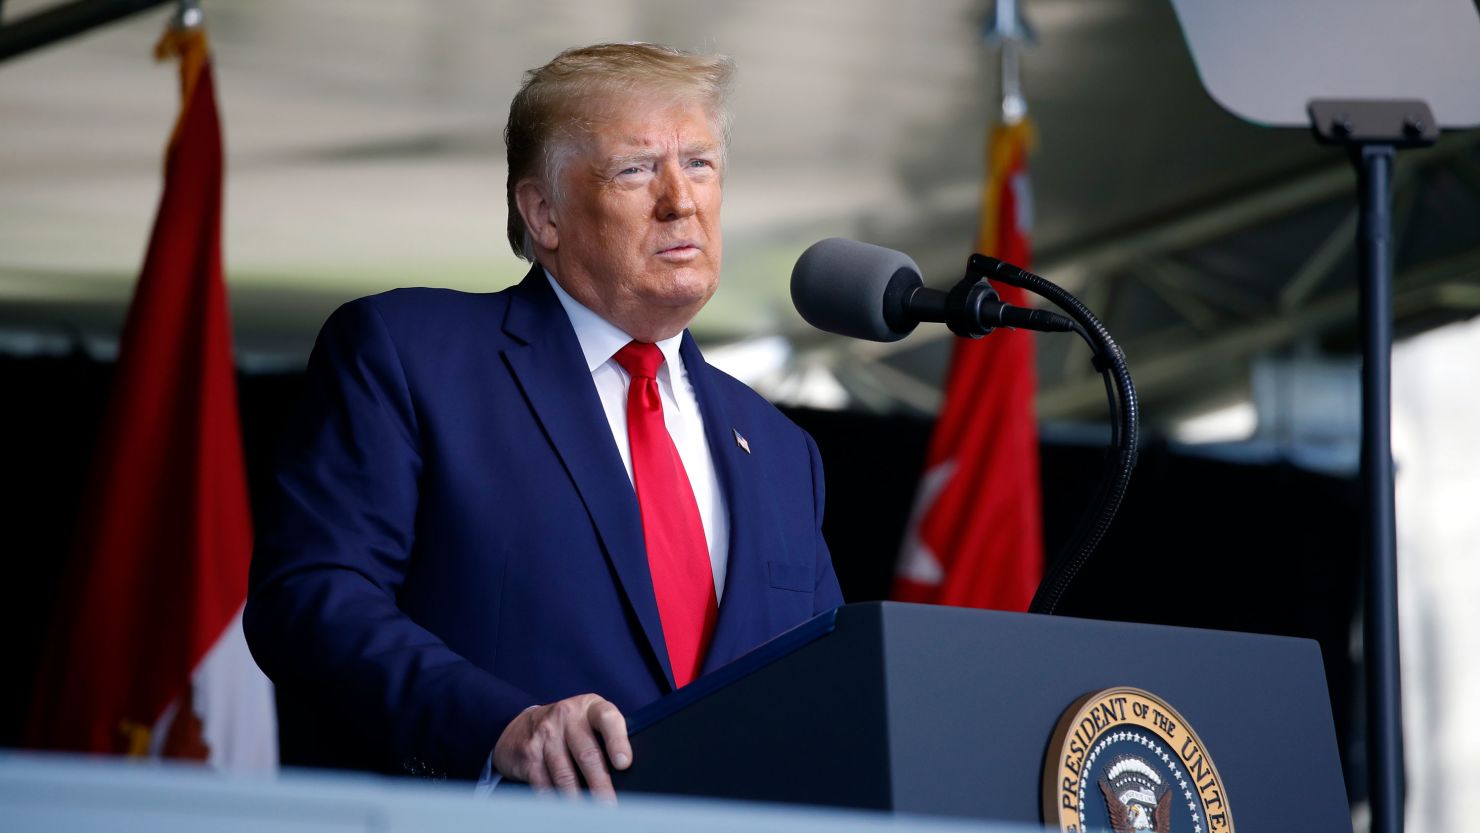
(700, 163)
(630, 170)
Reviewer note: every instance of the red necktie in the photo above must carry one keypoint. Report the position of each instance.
(678, 556)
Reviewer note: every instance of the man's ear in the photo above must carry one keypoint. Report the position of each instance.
(538, 211)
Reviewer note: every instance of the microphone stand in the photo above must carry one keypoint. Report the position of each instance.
(972, 310)
(1372, 131)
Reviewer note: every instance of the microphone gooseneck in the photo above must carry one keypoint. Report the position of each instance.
(1125, 410)
(870, 292)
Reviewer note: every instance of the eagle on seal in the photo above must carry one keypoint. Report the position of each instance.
(1133, 817)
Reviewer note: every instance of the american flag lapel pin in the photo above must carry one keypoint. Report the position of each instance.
(741, 441)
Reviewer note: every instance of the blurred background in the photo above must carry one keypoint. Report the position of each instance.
(364, 152)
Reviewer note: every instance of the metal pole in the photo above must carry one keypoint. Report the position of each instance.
(1006, 30)
(1380, 624)
(47, 27)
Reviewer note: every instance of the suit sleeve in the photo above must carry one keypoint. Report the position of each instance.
(333, 548)
(826, 594)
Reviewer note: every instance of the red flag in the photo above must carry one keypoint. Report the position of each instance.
(145, 656)
(975, 538)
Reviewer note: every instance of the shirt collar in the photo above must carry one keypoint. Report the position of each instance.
(600, 339)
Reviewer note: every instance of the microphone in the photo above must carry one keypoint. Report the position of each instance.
(865, 291)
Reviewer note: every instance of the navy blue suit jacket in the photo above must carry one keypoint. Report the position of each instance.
(451, 535)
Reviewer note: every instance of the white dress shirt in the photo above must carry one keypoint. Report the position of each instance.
(600, 340)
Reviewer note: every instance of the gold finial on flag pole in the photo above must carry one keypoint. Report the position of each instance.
(185, 38)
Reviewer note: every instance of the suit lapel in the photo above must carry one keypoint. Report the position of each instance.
(551, 370)
(743, 620)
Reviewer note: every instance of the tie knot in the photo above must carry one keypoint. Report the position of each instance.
(640, 359)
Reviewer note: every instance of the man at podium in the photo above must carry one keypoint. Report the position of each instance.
(503, 520)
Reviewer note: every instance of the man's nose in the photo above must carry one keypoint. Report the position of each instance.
(675, 193)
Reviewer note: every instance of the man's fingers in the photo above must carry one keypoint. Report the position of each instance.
(552, 763)
(608, 720)
(555, 747)
(588, 756)
(561, 769)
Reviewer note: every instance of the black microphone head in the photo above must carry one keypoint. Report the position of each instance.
(855, 289)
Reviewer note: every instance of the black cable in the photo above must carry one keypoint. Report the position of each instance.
(1124, 421)
(1110, 397)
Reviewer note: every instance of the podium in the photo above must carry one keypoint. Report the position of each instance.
(947, 711)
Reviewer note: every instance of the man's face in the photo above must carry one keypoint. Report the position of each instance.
(637, 228)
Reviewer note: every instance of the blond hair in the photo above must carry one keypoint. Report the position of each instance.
(558, 103)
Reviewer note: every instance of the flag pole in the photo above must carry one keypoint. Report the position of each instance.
(975, 535)
(147, 656)
(1007, 30)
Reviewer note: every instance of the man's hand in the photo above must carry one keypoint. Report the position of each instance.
(546, 746)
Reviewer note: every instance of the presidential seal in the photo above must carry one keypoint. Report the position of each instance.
(1122, 760)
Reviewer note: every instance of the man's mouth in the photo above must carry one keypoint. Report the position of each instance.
(681, 250)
